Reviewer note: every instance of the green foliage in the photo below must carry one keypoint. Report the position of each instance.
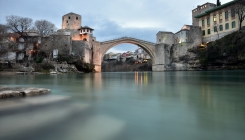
(85, 67)
(227, 50)
(67, 58)
(38, 59)
(47, 66)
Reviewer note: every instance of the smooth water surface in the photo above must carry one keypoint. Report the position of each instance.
(186, 105)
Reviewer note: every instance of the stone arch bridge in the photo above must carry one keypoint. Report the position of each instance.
(156, 51)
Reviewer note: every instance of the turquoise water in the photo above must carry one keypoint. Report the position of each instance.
(141, 105)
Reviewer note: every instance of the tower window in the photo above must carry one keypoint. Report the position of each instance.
(227, 26)
(208, 21)
(226, 15)
(76, 18)
(233, 13)
(67, 21)
(221, 27)
(69, 17)
(233, 24)
(214, 18)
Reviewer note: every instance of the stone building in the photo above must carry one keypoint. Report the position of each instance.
(177, 45)
(19, 48)
(81, 36)
(200, 10)
(217, 21)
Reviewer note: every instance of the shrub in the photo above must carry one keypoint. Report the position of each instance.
(47, 66)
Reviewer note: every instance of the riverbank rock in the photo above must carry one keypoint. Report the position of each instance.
(8, 92)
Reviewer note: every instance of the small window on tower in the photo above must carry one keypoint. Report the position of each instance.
(67, 21)
(76, 18)
(69, 17)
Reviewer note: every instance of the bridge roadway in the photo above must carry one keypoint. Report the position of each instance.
(125, 37)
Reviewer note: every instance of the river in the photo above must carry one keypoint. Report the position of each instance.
(186, 105)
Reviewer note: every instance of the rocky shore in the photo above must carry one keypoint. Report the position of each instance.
(9, 92)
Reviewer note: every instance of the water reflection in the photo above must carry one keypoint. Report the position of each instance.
(141, 78)
(136, 105)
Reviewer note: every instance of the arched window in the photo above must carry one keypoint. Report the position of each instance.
(85, 39)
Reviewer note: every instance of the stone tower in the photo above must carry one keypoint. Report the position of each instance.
(71, 21)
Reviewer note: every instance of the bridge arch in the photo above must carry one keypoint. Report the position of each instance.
(156, 51)
(149, 47)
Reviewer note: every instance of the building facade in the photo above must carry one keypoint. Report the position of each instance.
(218, 21)
(81, 37)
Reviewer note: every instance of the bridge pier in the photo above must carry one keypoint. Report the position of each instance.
(159, 64)
(96, 56)
(97, 68)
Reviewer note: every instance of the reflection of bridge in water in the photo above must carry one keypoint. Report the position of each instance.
(156, 51)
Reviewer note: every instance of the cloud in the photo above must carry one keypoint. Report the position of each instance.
(112, 18)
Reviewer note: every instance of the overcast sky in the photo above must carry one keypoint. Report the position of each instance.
(111, 19)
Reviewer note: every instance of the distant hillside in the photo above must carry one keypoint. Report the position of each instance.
(228, 52)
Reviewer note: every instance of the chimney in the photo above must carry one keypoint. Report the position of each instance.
(218, 3)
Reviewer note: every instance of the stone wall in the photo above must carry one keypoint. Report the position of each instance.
(165, 37)
(159, 64)
(174, 53)
(216, 36)
(81, 49)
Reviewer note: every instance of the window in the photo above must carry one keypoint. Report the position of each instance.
(67, 21)
(215, 18)
(233, 24)
(227, 26)
(208, 21)
(221, 27)
(208, 31)
(233, 13)
(203, 32)
(215, 29)
(203, 24)
(226, 15)
(76, 18)
(69, 17)
(220, 17)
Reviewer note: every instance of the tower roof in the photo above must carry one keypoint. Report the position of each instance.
(85, 27)
(71, 13)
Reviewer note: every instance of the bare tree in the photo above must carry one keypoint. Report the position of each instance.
(19, 24)
(3, 31)
(239, 9)
(7, 42)
(3, 36)
(44, 27)
(57, 41)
